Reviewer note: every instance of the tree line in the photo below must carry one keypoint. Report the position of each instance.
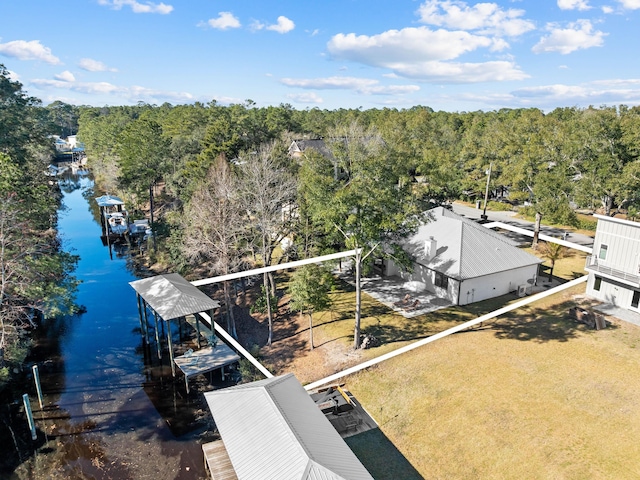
(36, 278)
(223, 191)
(231, 193)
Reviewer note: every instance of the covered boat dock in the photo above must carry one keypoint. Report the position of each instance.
(113, 218)
(172, 297)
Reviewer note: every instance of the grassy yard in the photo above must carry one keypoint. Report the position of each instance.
(532, 394)
(567, 268)
(394, 330)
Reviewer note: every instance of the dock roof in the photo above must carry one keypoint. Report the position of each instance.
(171, 296)
(109, 201)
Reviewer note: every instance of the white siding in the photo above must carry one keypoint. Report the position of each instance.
(623, 246)
(501, 283)
(622, 238)
(610, 291)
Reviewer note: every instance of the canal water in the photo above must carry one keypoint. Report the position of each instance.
(111, 409)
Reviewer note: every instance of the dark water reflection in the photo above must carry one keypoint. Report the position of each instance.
(112, 410)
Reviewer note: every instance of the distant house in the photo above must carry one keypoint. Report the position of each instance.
(464, 262)
(272, 429)
(298, 147)
(614, 266)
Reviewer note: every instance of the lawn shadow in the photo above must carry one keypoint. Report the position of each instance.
(542, 324)
(381, 457)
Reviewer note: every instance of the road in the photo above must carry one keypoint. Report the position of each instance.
(511, 219)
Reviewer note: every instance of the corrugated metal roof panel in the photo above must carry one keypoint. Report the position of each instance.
(171, 296)
(466, 249)
(273, 430)
(109, 201)
(484, 254)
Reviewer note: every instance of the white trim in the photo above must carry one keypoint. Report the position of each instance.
(617, 220)
(223, 333)
(273, 268)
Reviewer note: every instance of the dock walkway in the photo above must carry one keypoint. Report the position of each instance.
(216, 460)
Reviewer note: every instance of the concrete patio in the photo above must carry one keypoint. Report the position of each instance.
(402, 296)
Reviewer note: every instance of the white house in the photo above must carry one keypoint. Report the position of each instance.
(464, 262)
(614, 266)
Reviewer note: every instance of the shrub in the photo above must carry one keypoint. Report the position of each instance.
(248, 371)
(584, 224)
(260, 305)
(499, 206)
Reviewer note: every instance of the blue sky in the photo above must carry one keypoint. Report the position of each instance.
(449, 55)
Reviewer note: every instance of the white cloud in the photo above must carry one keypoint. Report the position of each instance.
(548, 97)
(284, 25)
(132, 94)
(28, 50)
(13, 76)
(454, 72)
(308, 97)
(65, 76)
(91, 65)
(365, 86)
(224, 21)
(423, 54)
(630, 4)
(344, 83)
(607, 9)
(602, 92)
(137, 7)
(89, 87)
(256, 25)
(573, 5)
(487, 18)
(407, 45)
(578, 35)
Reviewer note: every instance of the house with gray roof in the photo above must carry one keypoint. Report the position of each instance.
(298, 147)
(463, 262)
(272, 429)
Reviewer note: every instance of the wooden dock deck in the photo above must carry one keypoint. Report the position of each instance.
(205, 360)
(217, 462)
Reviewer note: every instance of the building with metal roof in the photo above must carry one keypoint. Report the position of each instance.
(171, 296)
(464, 262)
(272, 429)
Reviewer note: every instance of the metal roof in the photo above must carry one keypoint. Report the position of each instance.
(171, 296)
(109, 201)
(466, 249)
(272, 429)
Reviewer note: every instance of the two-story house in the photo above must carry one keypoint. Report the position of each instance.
(614, 266)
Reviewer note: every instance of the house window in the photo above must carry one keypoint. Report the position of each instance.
(441, 280)
(636, 299)
(603, 251)
(597, 283)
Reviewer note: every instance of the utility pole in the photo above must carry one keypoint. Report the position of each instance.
(486, 193)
